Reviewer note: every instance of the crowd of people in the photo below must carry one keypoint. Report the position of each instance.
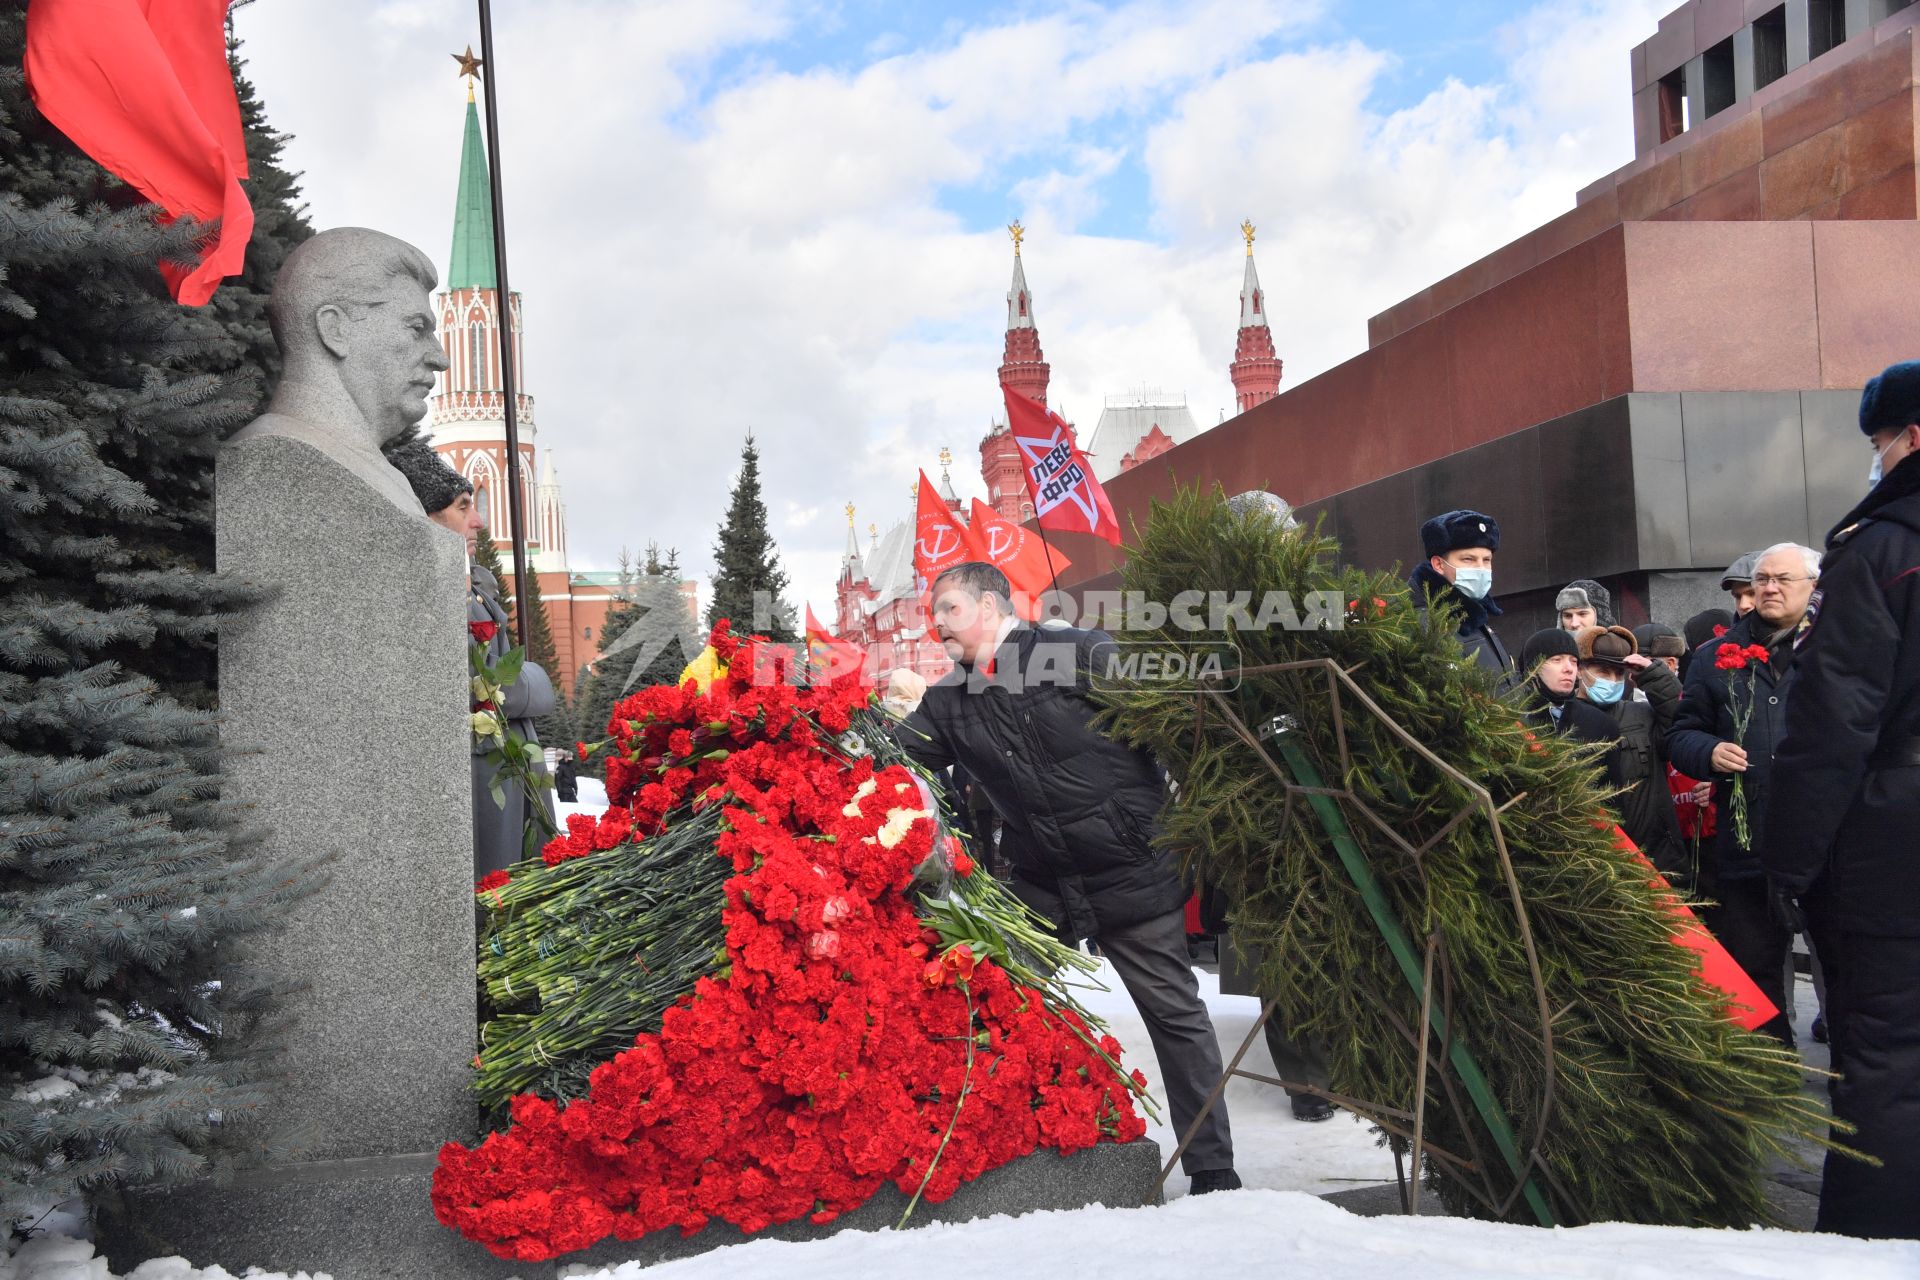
(1766, 758)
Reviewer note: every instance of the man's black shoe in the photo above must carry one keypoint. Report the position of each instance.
(1311, 1109)
(1819, 1029)
(1213, 1180)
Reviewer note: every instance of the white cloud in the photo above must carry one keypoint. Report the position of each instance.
(708, 243)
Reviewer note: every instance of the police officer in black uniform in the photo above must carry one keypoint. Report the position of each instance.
(1843, 819)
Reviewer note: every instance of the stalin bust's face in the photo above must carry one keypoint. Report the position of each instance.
(389, 353)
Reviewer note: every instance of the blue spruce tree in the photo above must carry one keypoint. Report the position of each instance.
(134, 1047)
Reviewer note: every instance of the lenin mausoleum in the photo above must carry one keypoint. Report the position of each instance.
(1654, 383)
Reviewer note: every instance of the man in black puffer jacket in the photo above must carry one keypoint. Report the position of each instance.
(1845, 808)
(1705, 743)
(1079, 814)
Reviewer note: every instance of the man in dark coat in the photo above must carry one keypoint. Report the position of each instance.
(1706, 743)
(1842, 820)
(1079, 813)
(1550, 670)
(1611, 668)
(1459, 547)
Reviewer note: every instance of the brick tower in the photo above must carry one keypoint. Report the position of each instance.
(1255, 369)
(1023, 368)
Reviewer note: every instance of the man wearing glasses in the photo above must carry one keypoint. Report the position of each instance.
(1845, 818)
(1750, 668)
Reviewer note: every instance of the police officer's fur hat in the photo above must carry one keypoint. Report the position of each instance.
(434, 482)
(1457, 530)
(1891, 398)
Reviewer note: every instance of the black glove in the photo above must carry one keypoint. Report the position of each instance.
(1783, 908)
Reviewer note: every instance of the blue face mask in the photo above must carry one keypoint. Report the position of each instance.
(1604, 692)
(1473, 582)
(1874, 473)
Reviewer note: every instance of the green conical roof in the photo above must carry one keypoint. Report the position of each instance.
(471, 266)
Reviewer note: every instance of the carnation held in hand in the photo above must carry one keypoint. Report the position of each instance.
(856, 1008)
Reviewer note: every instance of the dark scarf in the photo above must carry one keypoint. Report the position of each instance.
(1431, 587)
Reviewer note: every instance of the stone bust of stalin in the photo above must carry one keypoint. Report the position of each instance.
(351, 314)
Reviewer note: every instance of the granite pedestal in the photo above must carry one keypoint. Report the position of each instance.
(342, 698)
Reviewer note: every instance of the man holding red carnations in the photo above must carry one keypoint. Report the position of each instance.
(1080, 811)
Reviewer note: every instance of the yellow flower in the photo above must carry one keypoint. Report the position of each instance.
(705, 669)
(485, 725)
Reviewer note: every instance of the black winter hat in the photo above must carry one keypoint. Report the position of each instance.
(1548, 643)
(434, 482)
(1891, 398)
(1457, 530)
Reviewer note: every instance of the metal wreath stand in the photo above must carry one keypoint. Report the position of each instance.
(1418, 965)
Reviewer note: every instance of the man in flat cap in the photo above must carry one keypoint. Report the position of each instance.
(1459, 547)
(1839, 839)
(1737, 582)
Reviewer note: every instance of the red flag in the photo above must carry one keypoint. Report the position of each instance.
(1065, 494)
(144, 88)
(1750, 1006)
(1018, 553)
(830, 656)
(939, 539)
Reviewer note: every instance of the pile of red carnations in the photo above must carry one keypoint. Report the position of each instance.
(840, 1044)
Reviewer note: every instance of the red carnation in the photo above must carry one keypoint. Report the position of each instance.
(491, 881)
(962, 864)
(1758, 652)
(1730, 657)
(484, 631)
(1718, 630)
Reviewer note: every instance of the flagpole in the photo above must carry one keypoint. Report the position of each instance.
(516, 509)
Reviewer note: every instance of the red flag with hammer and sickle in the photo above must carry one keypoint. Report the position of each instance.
(1017, 552)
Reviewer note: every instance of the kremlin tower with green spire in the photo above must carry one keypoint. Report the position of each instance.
(468, 424)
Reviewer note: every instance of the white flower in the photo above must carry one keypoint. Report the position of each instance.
(899, 822)
(867, 788)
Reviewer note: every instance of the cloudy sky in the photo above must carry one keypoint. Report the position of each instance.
(790, 217)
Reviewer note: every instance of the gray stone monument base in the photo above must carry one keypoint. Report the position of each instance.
(370, 1219)
(1113, 1174)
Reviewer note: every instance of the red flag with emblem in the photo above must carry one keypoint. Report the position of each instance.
(144, 88)
(1017, 552)
(830, 656)
(1065, 494)
(939, 540)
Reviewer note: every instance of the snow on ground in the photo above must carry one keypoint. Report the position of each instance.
(1291, 1235)
(1270, 1148)
(1271, 1226)
(592, 801)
